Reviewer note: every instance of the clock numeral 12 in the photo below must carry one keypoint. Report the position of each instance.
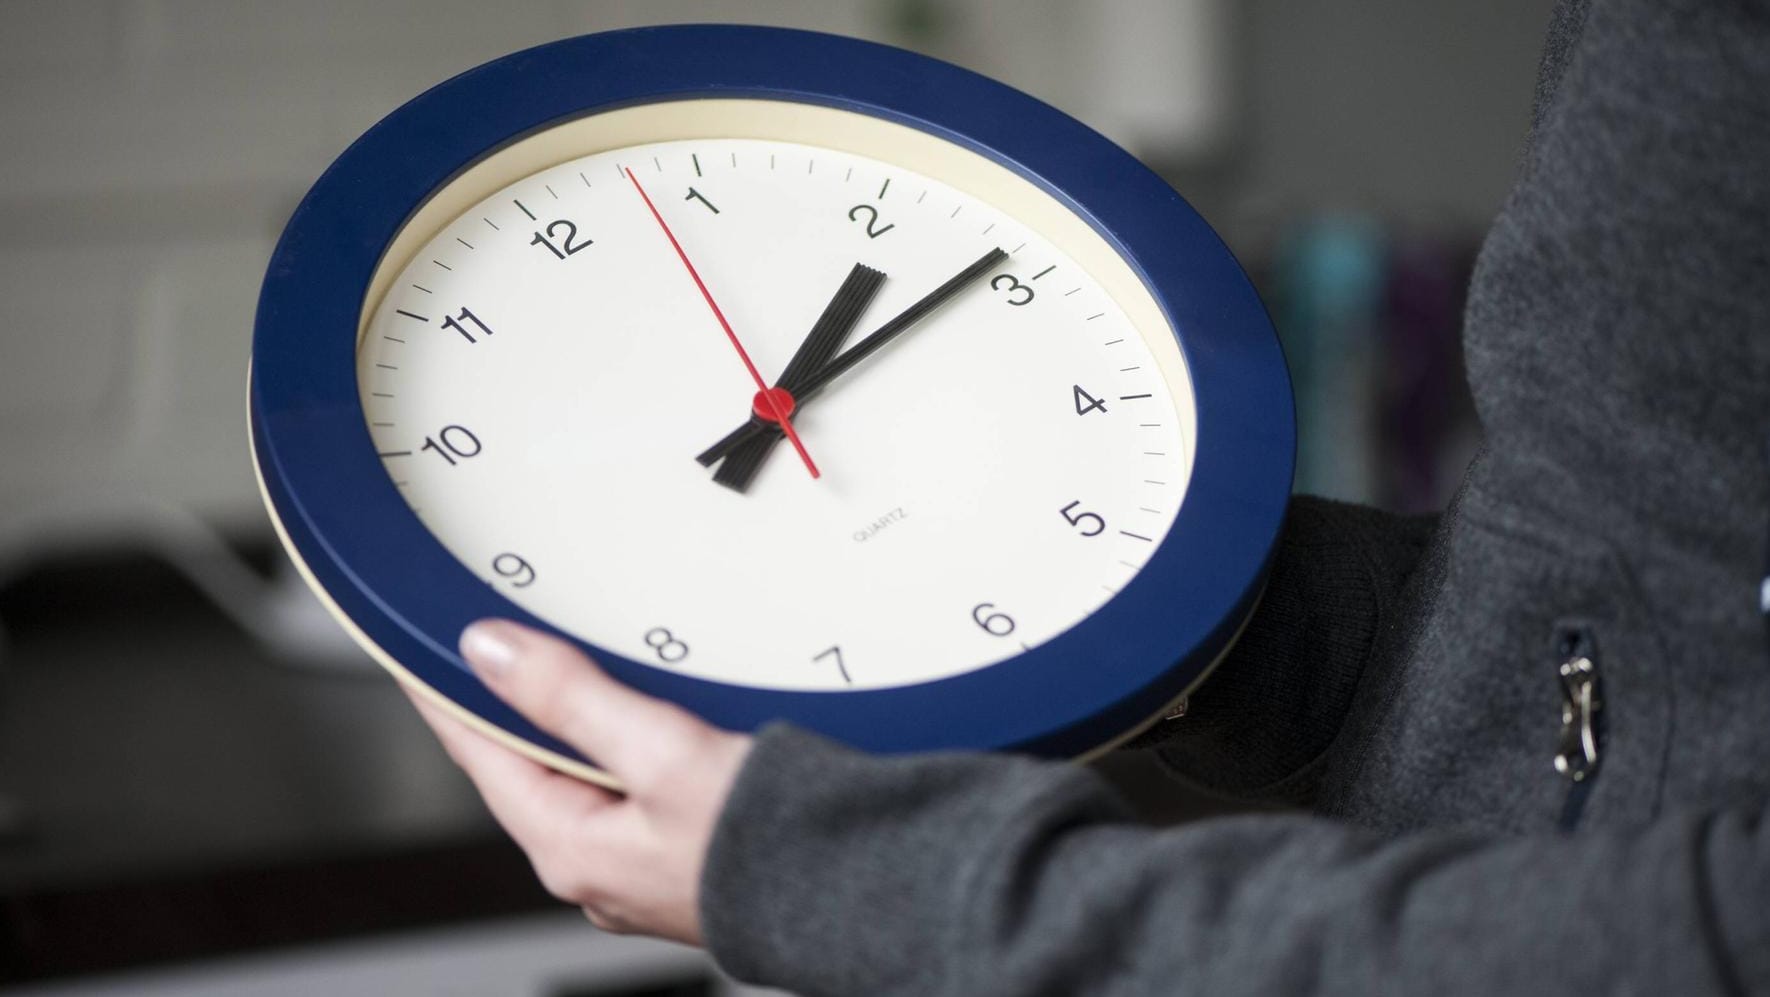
(571, 232)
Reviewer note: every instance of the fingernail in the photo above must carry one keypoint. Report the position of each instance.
(490, 647)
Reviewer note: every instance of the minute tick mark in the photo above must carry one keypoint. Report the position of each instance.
(1137, 536)
(1045, 271)
(407, 314)
(464, 242)
(524, 208)
(1128, 398)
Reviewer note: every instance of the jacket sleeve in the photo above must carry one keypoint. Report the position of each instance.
(833, 873)
(1338, 582)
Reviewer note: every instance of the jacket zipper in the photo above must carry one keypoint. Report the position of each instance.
(1578, 748)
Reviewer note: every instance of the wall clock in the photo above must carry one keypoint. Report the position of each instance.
(791, 375)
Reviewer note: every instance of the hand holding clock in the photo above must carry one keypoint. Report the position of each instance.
(632, 862)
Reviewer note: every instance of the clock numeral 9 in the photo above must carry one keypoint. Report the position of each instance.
(1014, 288)
(571, 232)
(520, 573)
(453, 442)
(874, 230)
(996, 624)
(1077, 519)
(669, 649)
(454, 322)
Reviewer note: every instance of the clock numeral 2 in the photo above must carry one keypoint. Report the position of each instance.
(571, 232)
(873, 229)
(669, 649)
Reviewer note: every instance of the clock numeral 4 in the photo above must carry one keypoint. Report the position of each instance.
(668, 648)
(515, 569)
(565, 231)
(453, 444)
(1077, 519)
(995, 624)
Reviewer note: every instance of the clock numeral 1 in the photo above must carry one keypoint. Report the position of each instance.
(997, 624)
(1077, 519)
(453, 442)
(565, 238)
(695, 195)
(513, 567)
(668, 648)
(835, 651)
(454, 322)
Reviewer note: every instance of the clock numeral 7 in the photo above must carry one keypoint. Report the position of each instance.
(1079, 518)
(835, 651)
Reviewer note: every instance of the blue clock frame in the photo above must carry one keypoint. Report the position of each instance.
(397, 583)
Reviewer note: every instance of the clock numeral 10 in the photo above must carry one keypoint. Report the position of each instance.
(996, 624)
(519, 572)
(453, 442)
(454, 322)
(565, 231)
(668, 648)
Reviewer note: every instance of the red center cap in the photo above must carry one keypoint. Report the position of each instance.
(782, 398)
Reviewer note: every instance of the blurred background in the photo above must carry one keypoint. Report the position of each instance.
(204, 788)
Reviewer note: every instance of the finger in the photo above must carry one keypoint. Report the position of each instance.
(547, 680)
(530, 801)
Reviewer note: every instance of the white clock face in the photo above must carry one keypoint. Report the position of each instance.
(541, 370)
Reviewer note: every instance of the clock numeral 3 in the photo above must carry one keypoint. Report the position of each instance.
(997, 624)
(513, 567)
(1014, 288)
(453, 442)
(668, 648)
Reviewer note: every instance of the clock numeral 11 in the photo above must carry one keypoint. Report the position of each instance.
(454, 322)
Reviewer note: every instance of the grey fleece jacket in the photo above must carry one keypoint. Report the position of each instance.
(1401, 678)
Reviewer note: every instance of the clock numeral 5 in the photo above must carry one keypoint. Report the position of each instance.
(453, 442)
(996, 624)
(1077, 519)
(668, 648)
(565, 239)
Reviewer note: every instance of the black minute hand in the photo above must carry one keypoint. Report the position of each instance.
(826, 335)
(811, 385)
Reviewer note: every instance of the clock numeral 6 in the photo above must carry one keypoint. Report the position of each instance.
(997, 624)
(874, 230)
(1014, 288)
(453, 442)
(565, 238)
(520, 572)
(669, 649)
(1077, 519)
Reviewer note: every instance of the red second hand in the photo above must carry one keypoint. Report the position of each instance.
(764, 394)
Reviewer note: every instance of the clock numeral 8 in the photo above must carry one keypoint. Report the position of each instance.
(512, 566)
(1076, 520)
(996, 624)
(670, 650)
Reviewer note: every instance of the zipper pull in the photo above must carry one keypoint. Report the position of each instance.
(1576, 757)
